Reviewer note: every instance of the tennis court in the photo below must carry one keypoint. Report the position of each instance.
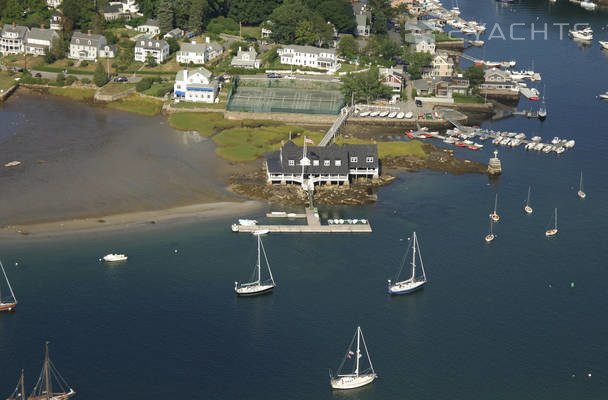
(281, 100)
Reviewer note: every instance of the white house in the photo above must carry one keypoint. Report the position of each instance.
(127, 6)
(39, 40)
(394, 78)
(174, 34)
(496, 79)
(53, 3)
(159, 49)
(151, 27)
(88, 46)
(309, 56)
(442, 66)
(13, 39)
(57, 22)
(197, 85)
(362, 19)
(246, 59)
(198, 53)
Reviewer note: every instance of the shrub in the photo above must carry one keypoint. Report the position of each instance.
(60, 81)
(122, 68)
(70, 63)
(84, 63)
(70, 79)
(114, 65)
(144, 84)
(85, 81)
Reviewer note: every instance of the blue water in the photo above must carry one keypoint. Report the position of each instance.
(496, 321)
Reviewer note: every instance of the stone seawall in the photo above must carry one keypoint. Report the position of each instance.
(304, 119)
(8, 93)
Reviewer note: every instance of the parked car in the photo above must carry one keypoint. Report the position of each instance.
(121, 79)
(418, 103)
(274, 76)
(37, 75)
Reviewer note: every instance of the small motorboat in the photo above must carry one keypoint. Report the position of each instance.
(400, 115)
(374, 113)
(364, 114)
(383, 114)
(392, 115)
(604, 45)
(12, 164)
(410, 114)
(115, 257)
(461, 144)
(604, 96)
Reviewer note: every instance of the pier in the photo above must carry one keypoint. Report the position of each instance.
(336, 127)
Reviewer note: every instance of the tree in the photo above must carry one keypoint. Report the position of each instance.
(381, 12)
(49, 57)
(323, 30)
(269, 57)
(339, 13)
(99, 77)
(58, 48)
(285, 18)
(111, 37)
(347, 47)
(475, 74)
(13, 11)
(150, 60)
(165, 15)
(365, 86)
(304, 33)
(416, 61)
(79, 12)
(381, 50)
(251, 12)
(173, 45)
(98, 24)
(195, 20)
(60, 80)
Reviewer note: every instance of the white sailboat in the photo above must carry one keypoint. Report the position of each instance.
(581, 193)
(413, 282)
(527, 208)
(10, 302)
(494, 216)
(257, 286)
(358, 377)
(50, 384)
(490, 236)
(553, 231)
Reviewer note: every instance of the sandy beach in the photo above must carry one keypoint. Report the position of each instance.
(81, 164)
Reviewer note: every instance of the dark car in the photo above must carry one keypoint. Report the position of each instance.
(418, 103)
(37, 75)
(274, 76)
(121, 79)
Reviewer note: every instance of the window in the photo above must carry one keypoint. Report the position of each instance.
(292, 163)
(315, 163)
(326, 163)
(338, 163)
(369, 159)
(354, 159)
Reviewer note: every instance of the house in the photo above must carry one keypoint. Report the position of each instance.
(88, 46)
(420, 27)
(196, 85)
(126, 6)
(266, 30)
(40, 40)
(13, 39)
(421, 42)
(159, 49)
(174, 34)
(497, 79)
(53, 3)
(331, 164)
(309, 56)
(423, 86)
(57, 21)
(151, 27)
(442, 65)
(394, 78)
(112, 12)
(362, 19)
(448, 87)
(198, 53)
(246, 59)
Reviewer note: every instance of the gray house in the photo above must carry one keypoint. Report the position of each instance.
(246, 59)
(88, 46)
(39, 40)
(13, 39)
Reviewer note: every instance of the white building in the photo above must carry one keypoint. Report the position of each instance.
(151, 27)
(422, 43)
(197, 85)
(309, 56)
(159, 49)
(246, 59)
(198, 53)
(128, 6)
(53, 3)
(57, 22)
(88, 46)
(39, 40)
(13, 39)
(174, 34)
(442, 66)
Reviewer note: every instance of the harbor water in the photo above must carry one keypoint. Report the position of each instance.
(520, 318)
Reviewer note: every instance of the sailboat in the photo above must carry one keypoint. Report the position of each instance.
(494, 216)
(527, 208)
(44, 389)
(357, 377)
(19, 392)
(8, 303)
(257, 286)
(412, 283)
(553, 232)
(490, 236)
(581, 193)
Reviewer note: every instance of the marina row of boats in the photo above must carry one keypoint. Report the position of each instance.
(386, 114)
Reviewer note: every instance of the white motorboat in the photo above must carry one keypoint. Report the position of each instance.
(115, 257)
(364, 114)
(374, 113)
(547, 149)
(604, 96)
(392, 115)
(588, 5)
(584, 35)
(536, 139)
(357, 377)
(581, 193)
(248, 222)
(555, 140)
(409, 115)
(604, 45)
(560, 150)
(12, 164)
(569, 144)
(400, 115)
(258, 286)
(414, 282)
(383, 114)
(529, 146)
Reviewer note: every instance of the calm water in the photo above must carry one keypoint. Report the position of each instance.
(496, 321)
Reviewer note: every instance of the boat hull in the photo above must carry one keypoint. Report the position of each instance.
(406, 288)
(528, 209)
(551, 232)
(253, 290)
(55, 396)
(352, 382)
(581, 194)
(7, 306)
(489, 238)
(494, 217)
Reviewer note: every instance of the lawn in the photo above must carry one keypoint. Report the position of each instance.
(460, 98)
(14, 60)
(252, 31)
(138, 105)
(73, 93)
(159, 89)
(207, 123)
(348, 67)
(6, 80)
(113, 88)
(188, 104)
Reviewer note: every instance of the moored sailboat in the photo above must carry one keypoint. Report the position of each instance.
(257, 286)
(494, 216)
(358, 377)
(490, 236)
(528, 208)
(414, 282)
(553, 231)
(50, 385)
(580, 192)
(10, 302)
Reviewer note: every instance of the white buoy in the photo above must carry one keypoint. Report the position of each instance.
(175, 251)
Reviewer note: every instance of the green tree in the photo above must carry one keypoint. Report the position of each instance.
(366, 86)
(49, 57)
(416, 61)
(98, 24)
(251, 12)
(475, 74)
(79, 12)
(60, 80)
(269, 57)
(381, 12)
(304, 33)
(150, 60)
(173, 45)
(13, 11)
(100, 77)
(195, 20)
(165, 15)
(323, 30)
(380, 50)
(111, 37)
(347, 47)
(339, 13)
(285, 18)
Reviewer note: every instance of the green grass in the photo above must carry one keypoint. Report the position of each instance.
(6, 80)
(138, 105)
(113, 88)
(445, 37)
(348, 68)
(159, 89)
(190, 105)
(252, 31)
(73, 93)
(207, 123)
(461, 98)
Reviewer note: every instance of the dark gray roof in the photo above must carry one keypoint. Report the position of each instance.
(42, 34)
(332, 153)
(83, 38)
(114, 9)
(151, 44)
(18, 29)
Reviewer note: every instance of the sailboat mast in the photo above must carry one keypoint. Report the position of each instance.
(495, 203)
(267, 263)
(580, 186)
(22, 386)
(414, 257)
(259, 263)
(8, 283)
(47, 374)
(358, 355)
(528, 201)
(555, 218)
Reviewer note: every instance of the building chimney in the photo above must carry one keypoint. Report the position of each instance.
(89, 32)
(207, 40)
(42, 26)
(239, 49)
(194, 42)
(14, 24)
